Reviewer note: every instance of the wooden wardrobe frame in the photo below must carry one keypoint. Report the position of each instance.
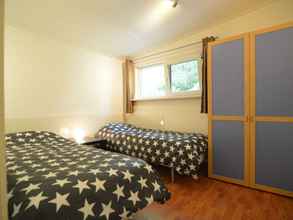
(255, 118)
(243, 119)
(249, 119)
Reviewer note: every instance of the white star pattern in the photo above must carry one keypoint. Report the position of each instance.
(127, 175)
(23, 179)
(60, 200)
(95, 171)
(81, 185)
(16, 209)
(134, 198)
(124, 214)
(50, 174)
(149, 168)
(150, 199)
(61, 183)
(36, 200)
(10, 195)
(20, 172)
(188, 147)
(107, 210)
(87, 209)
(13, 167)
(112, 172)
(156, 186)
(121, 164)
(31, 187)
(99, 184)
(142, 182)
(119, 192)
(136, 164)
(73, 173)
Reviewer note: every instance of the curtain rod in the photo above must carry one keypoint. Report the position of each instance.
(170, 50)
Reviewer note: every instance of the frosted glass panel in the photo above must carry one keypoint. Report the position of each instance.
(274, 153)
(228, 149)
(151, 81)
(228, 78)
(274, 73)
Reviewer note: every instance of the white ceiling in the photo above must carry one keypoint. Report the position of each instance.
(121, 27)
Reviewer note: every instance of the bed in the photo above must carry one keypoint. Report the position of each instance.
(50, 177)
(183, 152)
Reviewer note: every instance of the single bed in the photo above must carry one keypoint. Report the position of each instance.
(50, 177)
(183, 152)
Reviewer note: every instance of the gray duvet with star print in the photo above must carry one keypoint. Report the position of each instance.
(182, 151)
(52, 178)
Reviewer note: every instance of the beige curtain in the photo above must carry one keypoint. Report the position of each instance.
(128, 84)
(204, 57)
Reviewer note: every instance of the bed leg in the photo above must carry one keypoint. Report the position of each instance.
(172, 175)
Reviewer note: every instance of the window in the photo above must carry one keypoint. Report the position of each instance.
(184, 76)
(151, 81)
(168, 80)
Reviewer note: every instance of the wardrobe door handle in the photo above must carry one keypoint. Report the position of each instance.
(246, 119)
(249, 119)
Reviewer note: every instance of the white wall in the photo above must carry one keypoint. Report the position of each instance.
(50, 84)
(3, 183)
(184, 115)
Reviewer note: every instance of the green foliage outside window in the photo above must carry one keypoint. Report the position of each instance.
(184, 76)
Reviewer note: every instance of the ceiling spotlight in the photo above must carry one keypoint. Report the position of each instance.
(175, 3)
(172, 3)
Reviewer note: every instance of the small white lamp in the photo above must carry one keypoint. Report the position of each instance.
(78, 135)
(162, 123)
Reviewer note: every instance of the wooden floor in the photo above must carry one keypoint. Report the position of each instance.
(207, 199)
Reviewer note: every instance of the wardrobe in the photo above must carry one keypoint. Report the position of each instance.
(250, 86)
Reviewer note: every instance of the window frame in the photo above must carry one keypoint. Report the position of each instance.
(137, 90)
(167, 73)
(184, 93)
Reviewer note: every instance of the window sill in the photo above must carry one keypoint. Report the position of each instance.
(175, 97)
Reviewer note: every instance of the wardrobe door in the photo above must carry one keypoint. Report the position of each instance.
(228, 109)
(272, 109)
